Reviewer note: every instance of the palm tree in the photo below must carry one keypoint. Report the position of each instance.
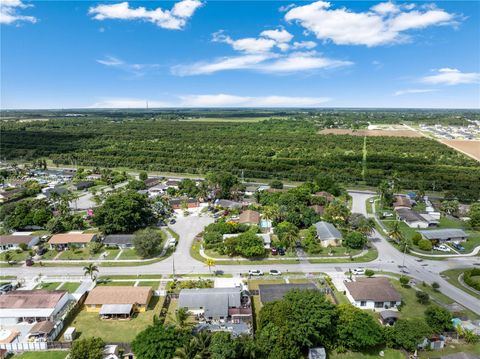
(90, 270)
(367, 226)
(188, 351)
(395, 232)
(181, 316)
(210, 263)
(202, 342)
(8, 257)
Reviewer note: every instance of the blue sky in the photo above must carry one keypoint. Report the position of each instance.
(193, 53)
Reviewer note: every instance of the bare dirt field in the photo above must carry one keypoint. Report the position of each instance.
(469, 147)
(388, 133)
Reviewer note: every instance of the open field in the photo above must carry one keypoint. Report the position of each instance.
(470, 148)
(385, 133)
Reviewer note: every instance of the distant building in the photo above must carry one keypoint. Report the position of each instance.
(151, 182)
(328, 235)
(372, 293)
(416, 220)
(177, 203)
(402, 202)
(444, 235)
(228, 204)
(84, 185)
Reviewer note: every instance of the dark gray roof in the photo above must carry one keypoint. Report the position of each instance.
(226, 203)
(408, 215)
(116, 309)
(444, 234)
(58, 190)
(214, 301)
(119, 239)
(326, 231)
(272, 292)
(385, 314)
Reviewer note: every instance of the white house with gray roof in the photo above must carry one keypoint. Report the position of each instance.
(328, 235)
(445, 235)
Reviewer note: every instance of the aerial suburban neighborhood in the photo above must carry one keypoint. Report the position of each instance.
(197, 179)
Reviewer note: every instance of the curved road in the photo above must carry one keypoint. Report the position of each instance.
(389, 259)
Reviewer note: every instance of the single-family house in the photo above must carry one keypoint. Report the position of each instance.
(172, 183)
(217, 304)
(178, 203)
(13, 241)
(249, 217)
(66, 240)
(444, 235)
(372, 293)
(273, 292)
(119, 240)
(118, 301)
(41, 331)
(414, 219)
(48, 192)
(328, 235)
(265, 237)
(277, 190)
(94, 177)
(402, 202)
(228, 204)
(32, 305)
(157, 190)
(151, 182)
(10, 195)
(83, 185)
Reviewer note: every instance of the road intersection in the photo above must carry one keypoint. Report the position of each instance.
(389, 260)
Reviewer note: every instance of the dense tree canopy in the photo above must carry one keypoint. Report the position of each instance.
(87, 348)
(158, 341)
(147, 242)
(124, 212)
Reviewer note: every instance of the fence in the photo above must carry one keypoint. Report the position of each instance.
(24, 346)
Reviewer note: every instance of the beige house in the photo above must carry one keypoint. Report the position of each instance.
(65, 240)
(118, 300)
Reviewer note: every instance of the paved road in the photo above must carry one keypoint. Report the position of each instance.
(188, 227)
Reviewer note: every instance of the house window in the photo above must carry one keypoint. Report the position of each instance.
(392, 304)
(378, 304)
(363, 303)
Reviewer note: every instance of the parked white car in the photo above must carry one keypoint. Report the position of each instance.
(275, 272)
(358, 271)
(442, 248)
(255, 272)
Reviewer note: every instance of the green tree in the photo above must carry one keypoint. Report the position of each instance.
(94, 247)
(404, 280)
(90, 270)
(385, 191)
(425, 245)
(209, 262)
(395, 232)
(474, 215)
(337, 212)
(124, 212)
(143, 176)
(276, 184)
(356, 240)
(369, 273)
(416, 238)
(408, 333)
(87, 348)
(158, 341)
(223, 346)
(249, 245)
(181, 316)
(221, 183)
(422, 297)
(438, 318)
(8, 257)
(287, 233)
(356, 329)
(147, 242)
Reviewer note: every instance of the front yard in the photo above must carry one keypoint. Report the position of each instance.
(90, 324)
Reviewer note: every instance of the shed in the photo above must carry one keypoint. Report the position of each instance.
(69, 334)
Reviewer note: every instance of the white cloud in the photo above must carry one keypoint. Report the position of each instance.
(384, 24)
(448, 76)
(214, 100)
(9, 12)
(249, 44)
(136, 69)
(266, 63)
(279, 35)
(413, 91)
(174, 19)
(304, 45)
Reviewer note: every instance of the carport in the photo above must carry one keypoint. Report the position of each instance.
(116, 311)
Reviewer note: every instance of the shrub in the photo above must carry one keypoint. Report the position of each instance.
(417, 237)
(425, 245)
(404, 281)
(23, 246)
(422, 297)
(469, 278)
(369, 273)
(435, 286)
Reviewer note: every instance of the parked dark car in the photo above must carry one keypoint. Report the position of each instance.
(29, 262)
(458, 246)
(41, 251)
(173, 221)
(281, 251)
(5, 288)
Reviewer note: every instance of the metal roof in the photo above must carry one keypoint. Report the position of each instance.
(272, 292)
(116, 309)
(214, 301)
(444, 234)
(327, 231)
(119, 239)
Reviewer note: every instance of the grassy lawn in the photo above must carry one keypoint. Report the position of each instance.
(52, 354)
(451, 276)
(15, 256)
(450, 223)
(129, 253)
(152, 284)
(90, 324)
(342, 298)
(75, 254)
(389, 354)
(70, 287)
(371, 255)
(170, 317)
(253, 283)
(132, 276)
(48, 286)
(257, 306)
(111, 252)
(50, 254)
(472, 241)
(411, 308)
(114, 284)
(451, 349)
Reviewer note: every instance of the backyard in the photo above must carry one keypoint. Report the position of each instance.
(90, 324)
(43, 355)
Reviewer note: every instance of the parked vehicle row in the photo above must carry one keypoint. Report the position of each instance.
(258, 272)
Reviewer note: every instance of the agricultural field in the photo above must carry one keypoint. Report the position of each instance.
(469, 147)
(384, 133)
(290, 149)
